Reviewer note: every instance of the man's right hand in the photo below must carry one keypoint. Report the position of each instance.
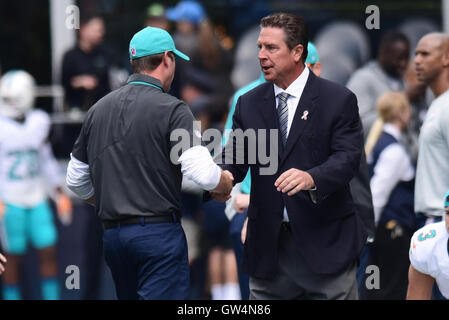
(222, 191)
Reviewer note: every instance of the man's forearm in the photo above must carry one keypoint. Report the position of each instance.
(78, 179)
(198, 165)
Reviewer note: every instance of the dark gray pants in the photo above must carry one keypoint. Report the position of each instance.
(295, 281)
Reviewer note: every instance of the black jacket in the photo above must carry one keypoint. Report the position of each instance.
(328, 145)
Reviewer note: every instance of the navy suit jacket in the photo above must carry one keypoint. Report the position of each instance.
(328, 145)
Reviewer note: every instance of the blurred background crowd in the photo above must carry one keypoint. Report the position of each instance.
(75, 68)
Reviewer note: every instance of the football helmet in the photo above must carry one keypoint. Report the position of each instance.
(17, 93)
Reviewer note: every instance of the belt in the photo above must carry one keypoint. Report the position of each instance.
(140, 220)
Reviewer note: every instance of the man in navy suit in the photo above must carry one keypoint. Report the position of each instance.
(303, 235)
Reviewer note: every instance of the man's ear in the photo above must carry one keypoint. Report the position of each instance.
(298, 51)
(446, 59)
(166, 58)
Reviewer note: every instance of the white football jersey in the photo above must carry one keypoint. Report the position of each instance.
(429, 254)
(25, 158)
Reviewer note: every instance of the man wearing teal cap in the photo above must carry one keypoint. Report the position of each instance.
(313, 60)
(123, 164)
(150, 41)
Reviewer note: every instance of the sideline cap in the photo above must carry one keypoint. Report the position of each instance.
(312, 56)
(151, 41)
(187, 10)
(446, 199)
(156, 10)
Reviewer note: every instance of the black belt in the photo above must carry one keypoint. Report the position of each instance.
(140, 220)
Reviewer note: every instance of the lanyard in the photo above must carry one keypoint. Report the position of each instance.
(147, 84)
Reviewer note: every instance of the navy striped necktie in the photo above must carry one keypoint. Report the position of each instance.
(283, 115)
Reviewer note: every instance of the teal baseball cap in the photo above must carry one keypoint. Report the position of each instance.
(151, 41)
(312, 56)
(446, 199)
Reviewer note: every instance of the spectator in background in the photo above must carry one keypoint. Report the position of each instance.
(432, 175)
(381, 76)
(195, 35)
(27, 168)
(313, 59)
(85, 77)
(197, 84)
(188, 16)
(85, 69)
(392, 187)
(196, 93)
(199, 92)
(213, 58)
(156, 17)
(222, 264)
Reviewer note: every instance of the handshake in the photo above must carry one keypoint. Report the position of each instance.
(222, 191)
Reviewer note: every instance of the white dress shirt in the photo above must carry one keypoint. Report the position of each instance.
(295, 91)
(393, 166)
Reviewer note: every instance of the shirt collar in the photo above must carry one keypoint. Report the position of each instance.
(393, 130)
(296, 87)
(138, 77)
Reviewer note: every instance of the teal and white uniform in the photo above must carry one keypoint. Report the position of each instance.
(429, 254)
(27, 171)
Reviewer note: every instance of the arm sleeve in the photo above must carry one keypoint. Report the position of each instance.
(197, 165)
(417, 254)
(78, 178)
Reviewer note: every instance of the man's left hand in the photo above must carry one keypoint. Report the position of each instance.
(293, 181)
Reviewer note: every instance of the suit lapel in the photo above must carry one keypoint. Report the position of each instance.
(304, 113)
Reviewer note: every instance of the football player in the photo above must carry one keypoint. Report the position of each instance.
(28, 170)
(429, 258)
